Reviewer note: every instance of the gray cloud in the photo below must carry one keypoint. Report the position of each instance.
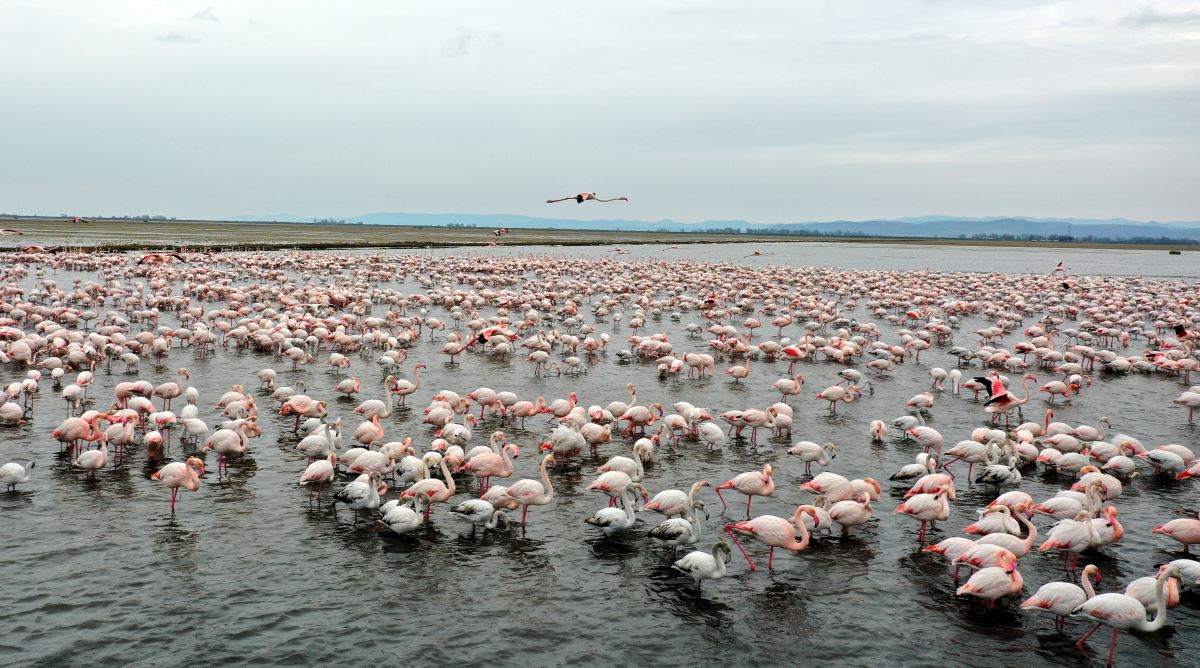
(1149, 16)
(178, 38)
(206, 14)
(768, 110)
(467, 39)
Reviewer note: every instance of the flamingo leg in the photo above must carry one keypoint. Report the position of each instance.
(1112, 647)
(749, 500)
(1079, 643)
(524, 512)
(771, 559)
(739, 546)
(723, 504)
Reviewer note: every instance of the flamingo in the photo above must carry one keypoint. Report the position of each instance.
(672, 502)
(705, 565)
(401, 518)
(613, 520)
(405, 388)
(1061, 598)
(1003, 402)
(1072, 536)
(1186, 531)
(751, 483)
(94, 460)
(810, 453)
(362, 494)
(586, 196)
(676, 531)
(531, 492)
(177, 475)
(773, 531)
(488, 465)
(1121, 611)
(432, 490)
(13, 474)
(480, 513)
(927, 508)
(320, 472)
(994, 582)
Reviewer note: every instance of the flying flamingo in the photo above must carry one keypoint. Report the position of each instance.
(774, 531)
(585, 196)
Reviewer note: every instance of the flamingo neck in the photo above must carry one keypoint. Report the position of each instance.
(449, 478)
(507, 465)
(798, 545)
(1032, 534)
(1085, 581)
(1160, 615)
(546, 482)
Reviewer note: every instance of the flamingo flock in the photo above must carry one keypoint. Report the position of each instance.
(343, 350)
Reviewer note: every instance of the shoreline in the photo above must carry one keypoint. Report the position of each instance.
(223, 236)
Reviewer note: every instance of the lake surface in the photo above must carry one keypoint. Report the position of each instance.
(247, 572)
(897, 257)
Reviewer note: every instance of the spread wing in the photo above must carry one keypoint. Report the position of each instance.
(987, 384)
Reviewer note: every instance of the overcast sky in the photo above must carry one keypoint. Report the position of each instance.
(769, 111)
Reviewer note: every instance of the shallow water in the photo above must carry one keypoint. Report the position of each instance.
(246, 571)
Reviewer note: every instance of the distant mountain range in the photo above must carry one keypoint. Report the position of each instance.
(920, 227)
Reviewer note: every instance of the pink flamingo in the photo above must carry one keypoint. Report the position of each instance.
(178, 475)
(584, 197)
(531, 492)
(789, 387)
(774, 531)
(320, 472)
(1186, 531)
(994, 582)
(432, 490)
(1004, 402)
(1121, 611)
(487, 465)
(1061, 598)
(751, 483)
(405, 388)
(927, 508)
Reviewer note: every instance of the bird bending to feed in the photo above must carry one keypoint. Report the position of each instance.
(585, 196)
(705, 565)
